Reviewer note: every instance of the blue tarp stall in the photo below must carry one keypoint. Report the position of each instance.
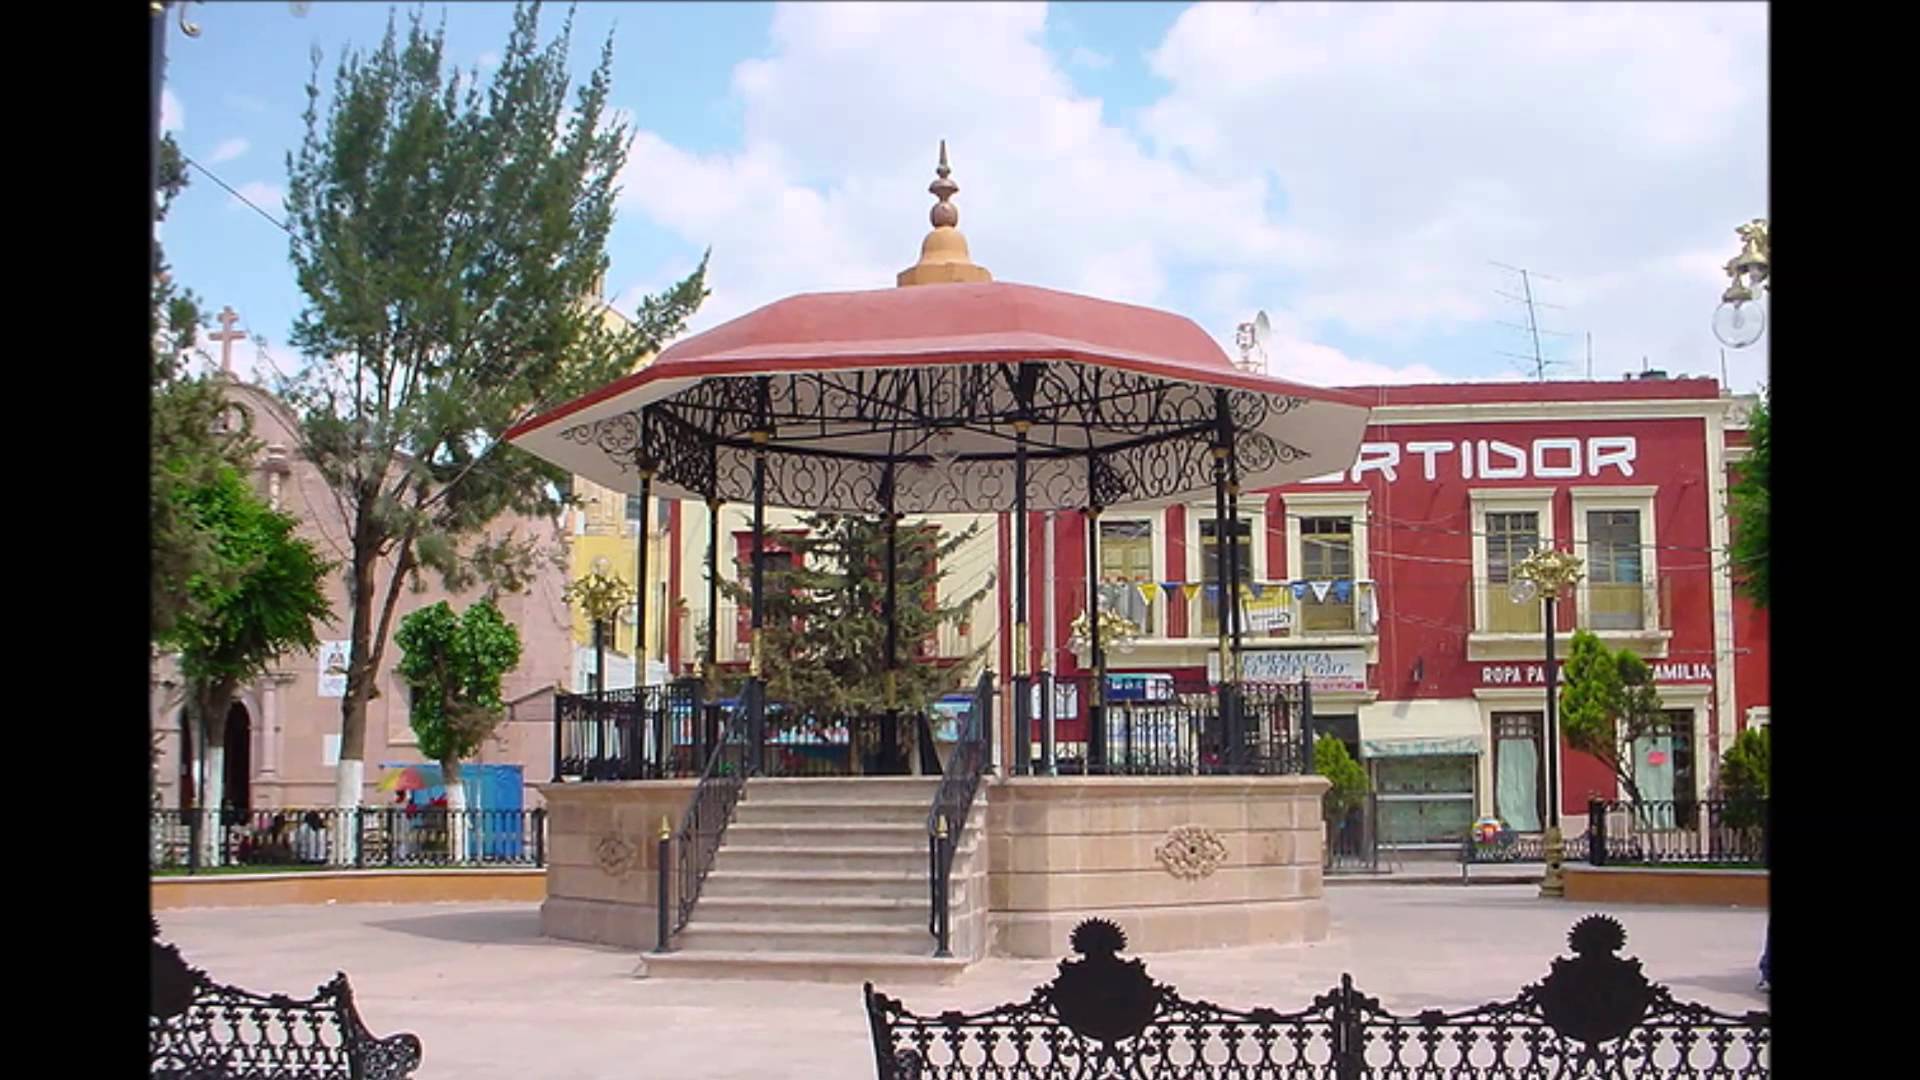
(499, 790)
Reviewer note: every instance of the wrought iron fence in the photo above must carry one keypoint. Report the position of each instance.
(200, 1029)
(1353, 841)
(1185, 732)
(643, 733)
(952, 804)
(375, 836)
(1595, 1015)
(1678, 831)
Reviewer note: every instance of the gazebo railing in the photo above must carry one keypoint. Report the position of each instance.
(648, 733)
(1178, 733)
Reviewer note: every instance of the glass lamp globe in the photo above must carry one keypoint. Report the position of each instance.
(1738, 322)
(1522, 590)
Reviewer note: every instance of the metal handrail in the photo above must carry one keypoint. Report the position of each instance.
(952, 803)
(694, 844)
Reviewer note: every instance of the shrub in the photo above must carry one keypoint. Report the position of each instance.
(1331, 760)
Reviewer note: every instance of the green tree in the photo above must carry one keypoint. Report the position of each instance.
(193, 435)
(1608, 703)
(449, 237)
(1349, 777)
(1750, 505)
(825, 628)
(452, 666)
(1746, 776)
(259, 601)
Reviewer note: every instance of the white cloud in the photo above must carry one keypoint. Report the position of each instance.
(229, 150)
(173, 115)
(1081, 56)
(1610, 145)
(245, 103)
(1347, 167)
(261, 194)
(489, 59)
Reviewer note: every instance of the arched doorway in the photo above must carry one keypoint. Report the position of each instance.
(237, 795)
(188, 789)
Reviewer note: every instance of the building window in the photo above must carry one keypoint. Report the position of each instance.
(636, 511)
(1210, 567)
(1326, 554)
(1519, 771)
(1425, 801)
(1126, 561)
(1663, 771)
(1510, 537)
(1616, 587)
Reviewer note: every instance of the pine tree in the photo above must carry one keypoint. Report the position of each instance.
(825, 627)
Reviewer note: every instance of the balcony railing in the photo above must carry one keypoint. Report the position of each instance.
(1269, 609)
(1598, 606)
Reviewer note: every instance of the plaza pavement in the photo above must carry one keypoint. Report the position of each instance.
(492, 1000)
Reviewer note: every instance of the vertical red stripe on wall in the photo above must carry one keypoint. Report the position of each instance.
(671, 617)
(1276, 538)
(1176, 526)
(1003, 596)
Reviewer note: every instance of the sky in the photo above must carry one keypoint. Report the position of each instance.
(1354, 170)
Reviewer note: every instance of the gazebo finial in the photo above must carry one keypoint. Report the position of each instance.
(943, 254)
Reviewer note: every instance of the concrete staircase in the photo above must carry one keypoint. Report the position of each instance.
(824, 880)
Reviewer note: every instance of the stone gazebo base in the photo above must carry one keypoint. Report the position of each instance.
(1180, 862)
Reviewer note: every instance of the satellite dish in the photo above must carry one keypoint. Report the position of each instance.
(1262, 332)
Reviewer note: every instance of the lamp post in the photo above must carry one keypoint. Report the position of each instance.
(1547, 574)
(1740, 319)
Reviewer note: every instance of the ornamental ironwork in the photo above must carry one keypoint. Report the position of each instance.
(199, 1029)
(1103, 1018)
(1095, 436)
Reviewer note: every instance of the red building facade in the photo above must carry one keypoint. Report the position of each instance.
(1388, 585)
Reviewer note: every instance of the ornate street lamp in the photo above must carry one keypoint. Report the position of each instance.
(1546, 575)
(1741, 317)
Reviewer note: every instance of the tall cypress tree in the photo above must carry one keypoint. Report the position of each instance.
(449, 237)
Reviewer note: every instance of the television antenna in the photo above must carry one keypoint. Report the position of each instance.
(1535, 359)
(1253, 338)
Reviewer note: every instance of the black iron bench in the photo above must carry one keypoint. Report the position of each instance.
(202, 1030)
(1509, 848)
(1595, 1015)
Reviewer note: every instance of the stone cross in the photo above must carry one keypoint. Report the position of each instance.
(226, 336)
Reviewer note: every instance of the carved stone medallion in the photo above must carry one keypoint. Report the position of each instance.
(615, 855)
(1191, 852)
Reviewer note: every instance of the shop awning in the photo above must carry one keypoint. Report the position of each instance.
(1379, 748)
(1420, 728)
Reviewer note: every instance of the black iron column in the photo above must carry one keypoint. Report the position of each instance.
(640, 579)
(1223, 561)
(756, 661)
(1553, 727)
(890, 728)
(712, 735)
(1238, 572)
(1095, 759)
(656, 724)
(1022, 740)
